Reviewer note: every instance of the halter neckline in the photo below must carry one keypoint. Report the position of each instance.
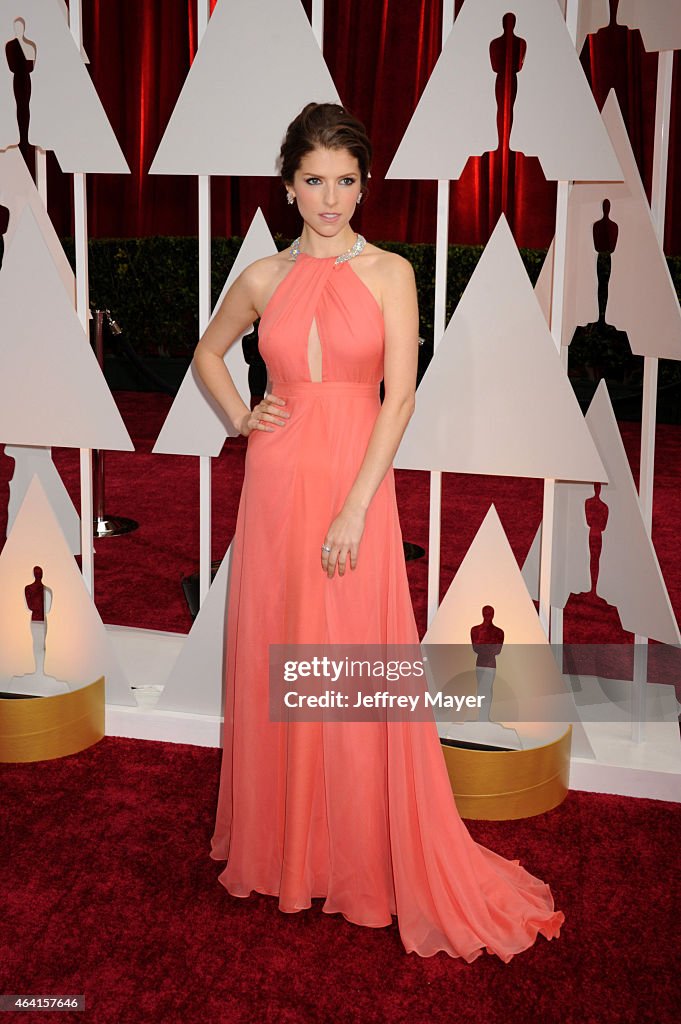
(349, 254)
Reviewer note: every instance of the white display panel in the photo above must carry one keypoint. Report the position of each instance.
(528, 681)
(18, 191)
(642, 299)
(78, 650)
(629, 575)
(52, 390)
(66, 114)
(495, 398)
(30, 462)
(257, 66)
(555, 116)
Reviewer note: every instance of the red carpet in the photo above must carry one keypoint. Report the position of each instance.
(109, 891)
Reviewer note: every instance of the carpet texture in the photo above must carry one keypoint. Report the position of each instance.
(109, 891)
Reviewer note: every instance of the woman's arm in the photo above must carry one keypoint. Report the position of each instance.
(238, 310)
(400, 306)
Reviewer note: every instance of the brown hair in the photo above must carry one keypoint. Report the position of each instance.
(324, 126)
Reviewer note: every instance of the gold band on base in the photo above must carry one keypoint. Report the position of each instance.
(42, 728)
(500, 785)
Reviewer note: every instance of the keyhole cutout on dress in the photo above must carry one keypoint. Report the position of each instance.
(314, 353)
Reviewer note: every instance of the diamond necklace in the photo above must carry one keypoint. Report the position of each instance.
(354, 250)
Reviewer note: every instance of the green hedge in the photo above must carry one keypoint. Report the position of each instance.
(150, 286)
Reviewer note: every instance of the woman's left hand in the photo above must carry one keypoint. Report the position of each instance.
(342, 541)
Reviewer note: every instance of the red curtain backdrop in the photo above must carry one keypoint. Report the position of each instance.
(380, 54)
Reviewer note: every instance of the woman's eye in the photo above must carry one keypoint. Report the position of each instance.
(312, 181)
(347, 181)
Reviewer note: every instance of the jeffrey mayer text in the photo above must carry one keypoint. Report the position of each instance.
(382, 699)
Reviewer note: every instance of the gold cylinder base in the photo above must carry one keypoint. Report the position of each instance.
(42, 728)
(500, 785)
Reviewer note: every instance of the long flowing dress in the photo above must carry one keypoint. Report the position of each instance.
(360, 813)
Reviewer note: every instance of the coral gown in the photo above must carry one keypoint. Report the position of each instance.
(359, 813)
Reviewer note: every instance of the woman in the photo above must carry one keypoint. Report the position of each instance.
(360, 813)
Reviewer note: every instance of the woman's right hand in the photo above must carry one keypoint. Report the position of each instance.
(264, 414)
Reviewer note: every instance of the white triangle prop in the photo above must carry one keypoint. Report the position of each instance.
(571, 561)
(629, 573)
(66, 114)
(78, 649)
(30, 462)
(195, 424)
(629, 576)
(257, 66)
(592, 15)
(52, 391)
(642, 299)
(495, 398)
(17, 190)
(196, 682)
(488, 574)
(528, 682)
(659, 22)
(555, 116)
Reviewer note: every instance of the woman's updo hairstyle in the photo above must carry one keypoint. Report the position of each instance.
(324, 126)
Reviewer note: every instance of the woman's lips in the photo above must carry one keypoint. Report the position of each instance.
(329, 216)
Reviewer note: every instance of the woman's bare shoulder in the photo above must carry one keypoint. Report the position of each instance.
(384, 259)
(267, 269)
(386, 265)
(262, 276)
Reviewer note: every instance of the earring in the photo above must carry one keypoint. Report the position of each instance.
(359, 198)
(290, 198)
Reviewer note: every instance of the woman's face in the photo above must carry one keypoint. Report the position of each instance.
(326, 186)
